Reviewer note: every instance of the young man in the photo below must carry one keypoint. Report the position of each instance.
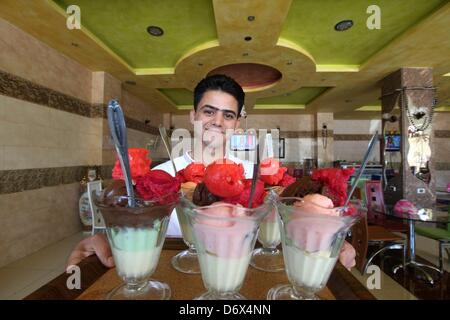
(218, 101)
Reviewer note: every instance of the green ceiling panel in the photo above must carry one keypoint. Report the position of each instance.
(179, 96)
(301, 96)
(122, 26)
(310, 24)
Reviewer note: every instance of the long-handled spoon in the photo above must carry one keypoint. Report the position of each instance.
(118, 129)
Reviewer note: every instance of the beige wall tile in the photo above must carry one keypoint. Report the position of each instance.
(14, 134)
(441, 149)
(441, 121)
(356, 127)
(354, 151)
(20, 111)
(27, 57)
(37, 218)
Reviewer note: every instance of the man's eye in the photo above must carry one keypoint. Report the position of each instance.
(229, 116)
(208, 112)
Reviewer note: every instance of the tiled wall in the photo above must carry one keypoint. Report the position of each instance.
(34, 219)
(28, 58)
(352, 138)
(51, 129)
(35, 136)
(441, 123)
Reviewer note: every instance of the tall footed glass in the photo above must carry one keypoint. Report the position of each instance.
(312, 237)
(136, 236)
(224, 235)
(268, 257)
(187, 260)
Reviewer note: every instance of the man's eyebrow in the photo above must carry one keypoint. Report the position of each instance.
(217, 109)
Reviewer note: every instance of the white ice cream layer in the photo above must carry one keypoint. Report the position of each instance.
(308, 269)
(269, 233)
(223, 274)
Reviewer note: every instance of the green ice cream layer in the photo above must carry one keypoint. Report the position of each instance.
(133, 239)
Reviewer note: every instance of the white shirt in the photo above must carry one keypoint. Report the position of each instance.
(182, 162)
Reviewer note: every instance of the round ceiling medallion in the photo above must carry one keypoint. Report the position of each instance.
(249, 75)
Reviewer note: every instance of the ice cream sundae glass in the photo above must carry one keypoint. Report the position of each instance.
(187, 260)
(268, 257)
(224, 231)
(313, 230)
(136, 233)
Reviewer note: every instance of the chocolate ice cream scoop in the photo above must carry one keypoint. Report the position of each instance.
(202, 196)
(302, 187)
(111, 193)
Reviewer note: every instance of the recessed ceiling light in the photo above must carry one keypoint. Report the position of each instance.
(130, 82)
(343, 25)
(155, 31)
(251, 18)
(289, 63)
(248, 38)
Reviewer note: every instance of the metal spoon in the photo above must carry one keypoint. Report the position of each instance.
(118, 129)
(362, 167)
(255, 174)
(165, 139)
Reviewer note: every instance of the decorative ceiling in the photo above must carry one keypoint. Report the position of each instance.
(287, 54)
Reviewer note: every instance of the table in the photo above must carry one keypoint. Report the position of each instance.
(97, 280)
(437, 214)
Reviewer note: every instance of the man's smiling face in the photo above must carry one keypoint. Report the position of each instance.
(217, 111)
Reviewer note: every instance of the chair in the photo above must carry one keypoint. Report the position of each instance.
(439, 234)
(98, 223)
(376, 208)
(364, 236)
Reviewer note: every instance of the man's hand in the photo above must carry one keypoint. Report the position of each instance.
(347, 255)
(97, 244)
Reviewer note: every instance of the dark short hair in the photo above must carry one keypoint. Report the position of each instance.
(219, 82)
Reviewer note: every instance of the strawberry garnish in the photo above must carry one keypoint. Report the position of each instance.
(244, 197)
(139, 164)
(194, 172)
(224, 178)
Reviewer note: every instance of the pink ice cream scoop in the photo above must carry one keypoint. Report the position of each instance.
(313, 227)
(404, 206)
(220, 234)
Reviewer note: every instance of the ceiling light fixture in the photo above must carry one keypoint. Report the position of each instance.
(343, 25)
(251, 18)
(155, 31)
